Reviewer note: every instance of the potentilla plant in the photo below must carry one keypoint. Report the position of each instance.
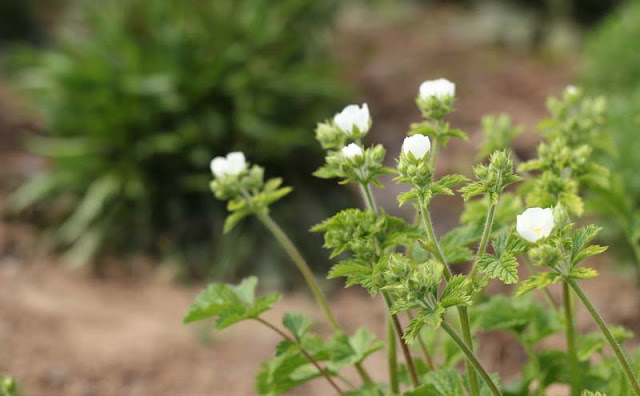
(434, 310)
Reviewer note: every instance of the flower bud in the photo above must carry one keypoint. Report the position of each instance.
(439, 88)
(353, 120)
(351, 151)
(233, 164)
(418, 145)
(535, 223)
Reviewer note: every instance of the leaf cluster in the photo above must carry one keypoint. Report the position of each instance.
(493, 178)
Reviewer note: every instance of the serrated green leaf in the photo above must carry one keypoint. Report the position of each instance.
(588, 252)
(233, 219)
(345, 351)
(583, 273)
(457, 292)
(538, 281)
(504, 267)
(424, 317)
(472, 189)
(423, 390)
(297, 324)
(230, 304)
(446, 382)
(589, 393)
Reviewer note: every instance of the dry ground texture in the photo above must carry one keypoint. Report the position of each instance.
(65, 333)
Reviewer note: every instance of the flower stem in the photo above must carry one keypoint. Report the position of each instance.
(405, 348)
(570, 334)
(488, 225)
(391, 356)
(617, 349)
(304, 352)
(471, 358)
(300, 262)
(462, 311)
(371, 205)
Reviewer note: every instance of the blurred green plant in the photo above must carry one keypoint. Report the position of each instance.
(612, 67)
(137, 97)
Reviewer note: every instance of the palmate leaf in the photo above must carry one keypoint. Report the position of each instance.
(345, 350)
(230, 304)
(504, 267)
(291, 368)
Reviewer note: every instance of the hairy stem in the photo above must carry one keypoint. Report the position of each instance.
(462, 311)
(371, 205)
(486, 233)
(617, 349)
(405, 348)
(471, 358)
(301, 263)
(391, 356)
(304, 352)
(570, 334)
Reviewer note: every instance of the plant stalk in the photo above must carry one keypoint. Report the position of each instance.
(300, 262)
(405, 348)
(570, 334)
(486, 233)
(391, 357)
(371, 205)
(471, 358)
(617, 349)
(304, 352)
(462, 310)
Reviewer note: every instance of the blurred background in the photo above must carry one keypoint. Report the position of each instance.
(111, 111)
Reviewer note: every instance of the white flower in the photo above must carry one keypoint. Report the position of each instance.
(351, 151)
(571, 90)
(233, 164)
(535, 223)
(438, 88)
(418, 145)
(353, 116)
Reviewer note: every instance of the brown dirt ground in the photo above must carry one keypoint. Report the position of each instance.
(66, 333)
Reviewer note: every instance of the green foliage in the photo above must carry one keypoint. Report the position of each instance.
(230, 304)
(363, 169)
(8, 387)
(346, 351)
(138, 102)
(499, 133)
(492, 178)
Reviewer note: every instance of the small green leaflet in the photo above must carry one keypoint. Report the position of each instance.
(583, 273)
(230, 304)
(538, 281)
(346, 350)
(425, 317)
(457, 292)
(297, 324)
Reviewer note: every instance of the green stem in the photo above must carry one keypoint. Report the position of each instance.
(462, 311)
(570, 334)
(471, 358)
(304, 352)
(617, 349)
(369, 201)
(533, 357)
(405, 348)
(391, 357)
(300, 262)
(484, 241)
(423, 347)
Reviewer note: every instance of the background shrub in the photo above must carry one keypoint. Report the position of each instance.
(612, 67)
(139, 95)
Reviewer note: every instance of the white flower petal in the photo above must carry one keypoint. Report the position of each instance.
(351, 151)
(535, 223)
(419, 145)
(437, 88)
(353, 116)
(236, 163)
(219, 167)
